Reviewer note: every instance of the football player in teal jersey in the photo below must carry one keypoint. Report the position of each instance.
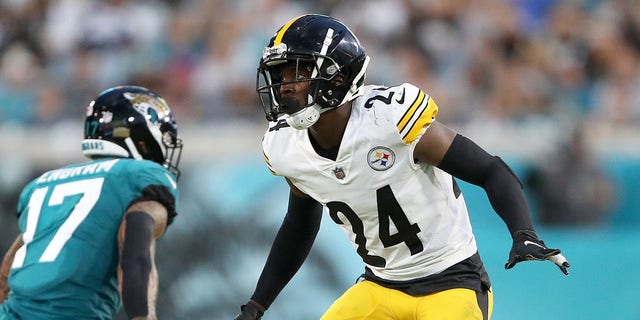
(88, 230)
(385, 169)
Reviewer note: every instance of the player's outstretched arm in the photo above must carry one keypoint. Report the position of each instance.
(6, 266)
(462, 158)
(142, 224)
(289, 250)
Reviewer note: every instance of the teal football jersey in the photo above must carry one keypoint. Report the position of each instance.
(69, 219)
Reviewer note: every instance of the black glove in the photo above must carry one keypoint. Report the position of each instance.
(527, 246)
(249, 311)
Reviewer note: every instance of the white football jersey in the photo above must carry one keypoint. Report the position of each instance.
(405, 220)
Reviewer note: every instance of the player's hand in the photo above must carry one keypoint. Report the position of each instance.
(250, 311)
(527, 246)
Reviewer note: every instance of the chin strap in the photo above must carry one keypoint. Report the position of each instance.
(304, 118)
(132, 149)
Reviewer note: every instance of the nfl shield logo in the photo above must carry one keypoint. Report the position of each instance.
(339, 172)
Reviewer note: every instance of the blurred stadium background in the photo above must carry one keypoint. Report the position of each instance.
(518, 76)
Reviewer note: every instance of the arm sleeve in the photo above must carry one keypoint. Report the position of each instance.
(290, 248)
(468, 161)
(136, 263)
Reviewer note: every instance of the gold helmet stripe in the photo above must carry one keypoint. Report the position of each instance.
(284, 29)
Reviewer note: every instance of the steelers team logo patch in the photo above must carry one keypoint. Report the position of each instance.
(381, 158)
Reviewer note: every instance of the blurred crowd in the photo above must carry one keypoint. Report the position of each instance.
(487, 63)
(482, 60)
(493, 63)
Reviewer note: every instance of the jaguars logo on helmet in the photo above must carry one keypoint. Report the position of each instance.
(132, 122)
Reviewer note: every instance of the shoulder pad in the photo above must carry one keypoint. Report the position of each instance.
(414, 111)
(162, 194)
(411, 109)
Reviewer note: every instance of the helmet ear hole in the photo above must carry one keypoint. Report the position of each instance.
(142, 147)
(338, 80)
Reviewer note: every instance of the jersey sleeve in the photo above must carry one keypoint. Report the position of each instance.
(154, 182)
(414, 112)
(267, 149)
(23, 200)
(268, 163)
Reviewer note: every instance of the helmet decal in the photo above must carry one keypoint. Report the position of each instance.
(323, 52)
(132, 122)
(90, 108)
(337, 63)
(107, 116)
(148, 106)
(275, 51)
(281, 32)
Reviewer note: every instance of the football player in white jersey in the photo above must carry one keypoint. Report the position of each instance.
(378, 160)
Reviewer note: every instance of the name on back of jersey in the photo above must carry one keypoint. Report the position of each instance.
(64, 173)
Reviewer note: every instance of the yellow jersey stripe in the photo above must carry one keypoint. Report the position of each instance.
(284, 29)
(266, 159)
(426, 118)
(409, 113)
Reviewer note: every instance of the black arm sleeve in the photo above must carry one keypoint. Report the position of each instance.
(469, 162)
(290, 248)
(136, 263)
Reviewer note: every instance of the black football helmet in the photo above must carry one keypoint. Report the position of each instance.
(132, 122)
(337, 61)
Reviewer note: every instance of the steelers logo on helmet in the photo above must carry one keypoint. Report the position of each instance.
(381, 158)
(337, 62)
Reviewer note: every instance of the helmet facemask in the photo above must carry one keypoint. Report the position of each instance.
(172, 149)
(338, 69)
(297, 113)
